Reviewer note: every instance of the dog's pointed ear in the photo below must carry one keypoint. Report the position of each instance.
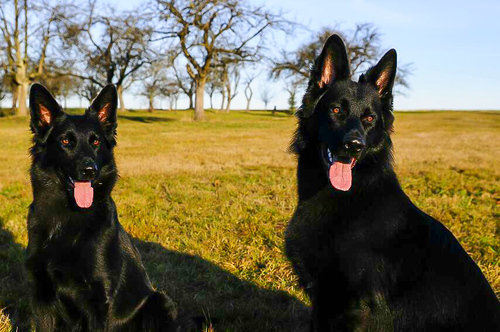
(104, 108)
(44, 109)
(332, 64)
(383, 74)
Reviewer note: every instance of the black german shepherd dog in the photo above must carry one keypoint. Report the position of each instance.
(367, 257)
(86, 273)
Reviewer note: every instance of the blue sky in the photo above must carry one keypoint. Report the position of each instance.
(454, 47)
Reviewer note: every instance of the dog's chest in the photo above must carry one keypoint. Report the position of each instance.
(71, 254)
(326, 242)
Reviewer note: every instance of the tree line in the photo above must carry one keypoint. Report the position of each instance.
(161, 49)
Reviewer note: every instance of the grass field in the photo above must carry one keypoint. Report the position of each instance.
(207, 204)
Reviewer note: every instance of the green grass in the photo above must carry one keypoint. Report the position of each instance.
(207, 204)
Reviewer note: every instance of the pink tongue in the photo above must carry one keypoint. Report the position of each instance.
(84, 194)
(340, 175)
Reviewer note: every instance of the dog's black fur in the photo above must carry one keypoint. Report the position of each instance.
(367, 257)
(85, 271)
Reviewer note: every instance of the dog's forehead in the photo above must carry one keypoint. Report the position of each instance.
(80, 125)
(355, 95)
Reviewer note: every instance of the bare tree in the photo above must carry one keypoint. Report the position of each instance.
(214, 85)
(211, 28)
(232, 83)
(87, 90)
(225, 77)
(150, 90)
(171, 91)
(185, 84)
(155, 81)
(113, 45)
(291, 87)
(363, 48)
(60, 86)
(248, 89)
(265, 96)
(27, 32)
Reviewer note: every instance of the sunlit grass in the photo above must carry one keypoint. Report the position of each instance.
(208, 204)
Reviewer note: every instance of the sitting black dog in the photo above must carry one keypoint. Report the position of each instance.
(85, 271)
(367, 257)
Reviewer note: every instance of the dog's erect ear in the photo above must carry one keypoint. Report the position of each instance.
(332, 64)
(44, 109)
(104, 108)
(382, 76)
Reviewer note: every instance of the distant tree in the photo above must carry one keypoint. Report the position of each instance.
(208, 29)
(155, 80)
(265, 96)
(27, 32)
(291, 87)
(60, 86)
(232, 82)
(171, 91)
(363, 48)
(214, 85)
(248, 89)
(185, 84)
(112, 44)
(87, 90)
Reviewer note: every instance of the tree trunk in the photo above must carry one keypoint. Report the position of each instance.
(211, 101)
(119, 89)
(228, 105)
(15, 94)
(23, 91)
(151, 103)
(223, 93)
(199, 111)
(248, 95)
(191, 104)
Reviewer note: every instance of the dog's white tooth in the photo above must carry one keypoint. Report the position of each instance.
(330, 158)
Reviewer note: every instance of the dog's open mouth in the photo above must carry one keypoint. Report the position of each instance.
(83, 193)
(339, 170)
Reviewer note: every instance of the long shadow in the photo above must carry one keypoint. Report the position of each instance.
(145, 119)
(13, 283)
(201, 288)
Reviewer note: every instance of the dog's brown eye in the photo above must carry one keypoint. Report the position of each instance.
(369, 118)
(96, 142)
(336, 110)
(65, 141)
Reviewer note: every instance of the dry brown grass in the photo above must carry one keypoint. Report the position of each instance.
(208, 203)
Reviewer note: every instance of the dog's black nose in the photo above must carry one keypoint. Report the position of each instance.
(354, 145)
(88, 169)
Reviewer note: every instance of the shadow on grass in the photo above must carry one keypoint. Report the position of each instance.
(13, 284)
(200, 287)
(203, 289)
(145, 119)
